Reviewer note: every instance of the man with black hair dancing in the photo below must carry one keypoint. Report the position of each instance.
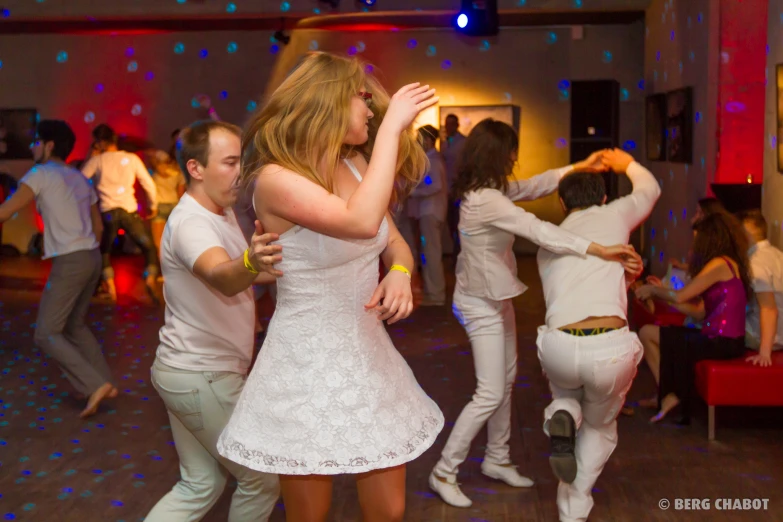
(115, 174)
(586, 349)
(68, 206)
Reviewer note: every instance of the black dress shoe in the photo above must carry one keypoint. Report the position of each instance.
(562, 439)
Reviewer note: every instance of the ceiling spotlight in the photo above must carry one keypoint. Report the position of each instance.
(281, 37)
(367, 3)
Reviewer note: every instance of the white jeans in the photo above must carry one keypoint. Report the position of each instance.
(432, 263)
(199, 406)
(491, 327)
(589, 377)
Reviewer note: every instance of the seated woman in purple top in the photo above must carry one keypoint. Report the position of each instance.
(716, 296)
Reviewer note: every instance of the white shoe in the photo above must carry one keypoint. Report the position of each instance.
(449, 491)
(507, 474)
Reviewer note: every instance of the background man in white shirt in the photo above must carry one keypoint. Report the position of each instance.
(206, 344)
(68, 206)
(763, 326)
(451, 144)
(586, 349)
(428, 205)
(115, 174)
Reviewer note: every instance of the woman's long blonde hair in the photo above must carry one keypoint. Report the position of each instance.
(305, 121)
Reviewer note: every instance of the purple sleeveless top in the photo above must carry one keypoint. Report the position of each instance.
(724, 306)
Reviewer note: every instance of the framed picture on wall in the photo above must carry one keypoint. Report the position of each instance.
(470, 115)
(679, 126)
(17, 131)
(655, 124)
(780, 117)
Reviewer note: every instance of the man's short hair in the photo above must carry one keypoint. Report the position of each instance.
(428, 131)
(105, 134)
(581, 189)
(59, 133)
(193, 142)
(452, 116)
(755, 218)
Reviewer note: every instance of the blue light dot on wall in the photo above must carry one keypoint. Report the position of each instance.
(272, 39)
(652, 233)
(773, 141)
(431, 51)
(285, 7)
(274, 49)
(149, 76)
(133, 66)
(194, 103)
(136, 110)
(62, 57)
(657, 56)
(360, 46)
(702, 162)
(629, 145)
(181, 1)
(427, 180)
(99, 87)
(692, 56)
(203, 53)
(223, 95)
(697, 117)
(89, 117)
(735, 106)
(640, 84)
(317, 11)
(551, 38)
(561, 143)
(232, 47)
(660, 257)
(369, 68)
(563, 84)
(484, 46)
(624, 94)
(577, 3)
(129, 52)
(700, 18)
(231, 7)
(313, 45)
(1, 64)
(606, 57)
(251, 106)
(671, 36)
(521, 3)
(412, 44)
(179, 48)
(6, 13)
(446, 64)
(563, 95)
(352, 50)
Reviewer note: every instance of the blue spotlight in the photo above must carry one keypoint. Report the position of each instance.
(462, 21)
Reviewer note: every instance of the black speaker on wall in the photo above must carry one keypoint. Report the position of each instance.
(595, 122)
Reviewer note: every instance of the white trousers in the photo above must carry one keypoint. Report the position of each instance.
(199, 405)
(432, 259)
(491, 327)
(589, 378)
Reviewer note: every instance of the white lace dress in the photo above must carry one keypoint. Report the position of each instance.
(329, 393)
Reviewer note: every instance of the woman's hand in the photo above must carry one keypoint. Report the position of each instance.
(760, 359)
(406, 104)
(593, 163)
(618, 253)
(645, 292)
(654, 280)
(393, 299)
(262, 255)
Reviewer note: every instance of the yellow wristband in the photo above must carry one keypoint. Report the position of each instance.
(400, 268)
(248, 264)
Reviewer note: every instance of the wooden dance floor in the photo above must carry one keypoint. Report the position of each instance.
(116, 465)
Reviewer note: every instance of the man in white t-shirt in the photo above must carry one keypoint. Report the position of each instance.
(764, 324)
(114, 173)
(68, 206)
(206, 344)
(586, 348)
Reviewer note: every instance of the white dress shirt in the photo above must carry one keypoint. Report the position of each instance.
(488, 222)
(115, 174)
(430, 197)
(766, 263)
(576, 288)
(451, 148)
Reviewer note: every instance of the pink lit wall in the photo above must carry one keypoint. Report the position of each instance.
(743, 38)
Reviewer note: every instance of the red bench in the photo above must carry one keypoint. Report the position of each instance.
(735, 382)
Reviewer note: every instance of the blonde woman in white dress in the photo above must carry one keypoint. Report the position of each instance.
(329, 393)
